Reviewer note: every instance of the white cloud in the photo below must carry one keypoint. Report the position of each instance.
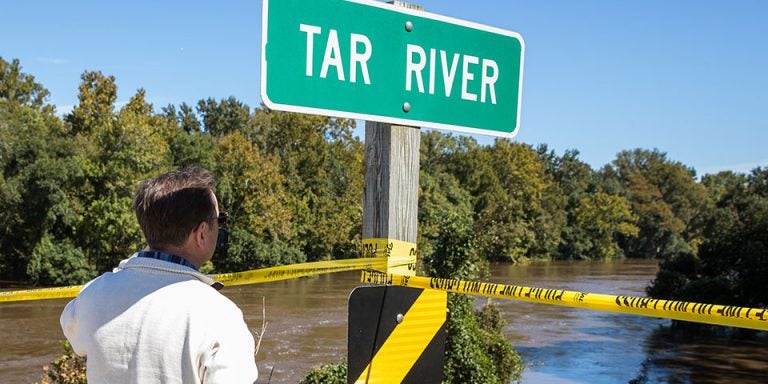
(52, 60)
(62, 110)
(738, 168)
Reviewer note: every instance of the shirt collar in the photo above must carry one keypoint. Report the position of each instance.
(160, 255)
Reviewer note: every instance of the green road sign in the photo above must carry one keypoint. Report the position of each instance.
(375, 61)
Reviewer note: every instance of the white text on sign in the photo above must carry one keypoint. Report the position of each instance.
(417, 61)
(414, 68)
(332, 56)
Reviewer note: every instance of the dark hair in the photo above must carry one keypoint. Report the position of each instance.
(171, 205)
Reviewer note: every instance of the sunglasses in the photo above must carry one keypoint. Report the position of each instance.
(221, 219)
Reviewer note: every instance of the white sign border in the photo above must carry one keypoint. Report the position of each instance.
(388, 119)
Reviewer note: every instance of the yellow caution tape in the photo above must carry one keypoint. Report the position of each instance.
(292, 271)
(255, 276)
(41, 294)
(401, 255)
(731, 316)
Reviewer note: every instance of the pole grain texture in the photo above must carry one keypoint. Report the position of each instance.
(391, 182)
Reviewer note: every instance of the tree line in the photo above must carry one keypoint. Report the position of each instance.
(293, 186)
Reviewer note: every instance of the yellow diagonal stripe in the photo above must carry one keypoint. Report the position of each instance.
(731, 316)
(403, 347)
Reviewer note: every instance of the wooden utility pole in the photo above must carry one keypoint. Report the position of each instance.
(391, 205)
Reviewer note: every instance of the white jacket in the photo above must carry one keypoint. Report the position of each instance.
(153, 321)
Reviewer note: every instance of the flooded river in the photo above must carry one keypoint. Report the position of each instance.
(307, 327)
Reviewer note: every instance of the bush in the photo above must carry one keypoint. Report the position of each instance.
(327, 374)
(68, 369)
(508, 364)
(476, 350)
(465, 357)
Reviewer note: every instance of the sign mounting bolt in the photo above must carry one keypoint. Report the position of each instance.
(399, 318)
(406, 107)
(408, 26)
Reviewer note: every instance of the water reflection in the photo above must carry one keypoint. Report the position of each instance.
(705, 357)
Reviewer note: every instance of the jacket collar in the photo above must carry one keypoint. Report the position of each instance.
(134, 262)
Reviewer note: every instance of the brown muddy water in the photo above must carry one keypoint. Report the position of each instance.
(307, 327)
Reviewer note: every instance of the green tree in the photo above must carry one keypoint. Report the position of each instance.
(188, 144)
(121, 150)
(58, 263)
(440, 192)
(20, 89)
(40, 174)
(38, 191)
(220, 118)
(184, 118)
(518, 205)
(602, 217)
(732, 264)
(95, 110)
(667, 199)
(515, 222)
(322, 166)
(251, 188)
(472, 165)
(575, 181)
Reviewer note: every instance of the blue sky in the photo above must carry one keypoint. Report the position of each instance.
(687, 77)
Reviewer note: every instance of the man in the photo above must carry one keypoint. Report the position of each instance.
(155, 318)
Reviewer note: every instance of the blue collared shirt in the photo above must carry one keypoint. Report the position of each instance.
(160, 255)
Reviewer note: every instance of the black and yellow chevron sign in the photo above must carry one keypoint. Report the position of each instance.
(396, 335)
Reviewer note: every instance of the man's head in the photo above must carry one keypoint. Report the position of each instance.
(177, 208)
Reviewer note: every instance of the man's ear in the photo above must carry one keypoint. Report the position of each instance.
(199, 233)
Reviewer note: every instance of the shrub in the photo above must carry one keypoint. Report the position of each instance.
(67, 369)
(327, 374)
